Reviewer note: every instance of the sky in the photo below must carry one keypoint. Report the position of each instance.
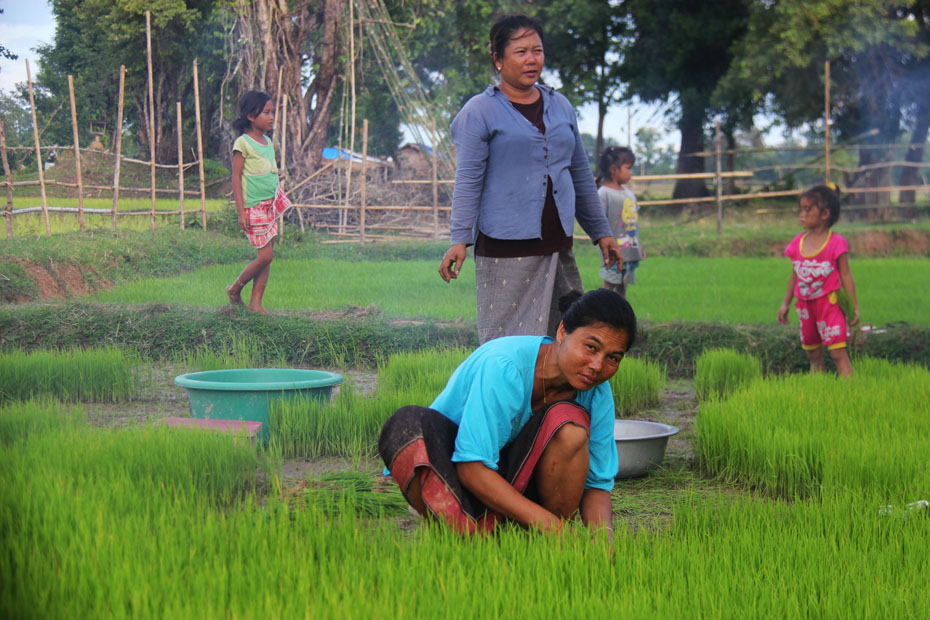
(26, 24)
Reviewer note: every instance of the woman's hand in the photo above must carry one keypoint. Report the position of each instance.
(451, 263)
(243, 219)
(610, 252)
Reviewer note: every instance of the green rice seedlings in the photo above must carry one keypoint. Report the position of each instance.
(806, 435)
(427, 370)
(21, 420)
(719, 372)
(76, 375)
(638, 384)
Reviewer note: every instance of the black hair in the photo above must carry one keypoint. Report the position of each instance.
(825, 197)
(613, 156)
(250, 104)
(600, 305)
(505, 28)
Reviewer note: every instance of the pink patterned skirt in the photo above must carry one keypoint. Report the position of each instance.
(263, 218)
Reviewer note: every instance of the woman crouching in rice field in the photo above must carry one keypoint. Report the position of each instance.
(523, 430)
(257, 192)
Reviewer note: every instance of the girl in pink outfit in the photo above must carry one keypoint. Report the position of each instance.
(821, 266)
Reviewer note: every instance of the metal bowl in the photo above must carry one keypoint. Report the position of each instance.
(640, 446)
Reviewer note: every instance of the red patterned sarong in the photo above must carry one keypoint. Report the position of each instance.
(263, 218)
(417, 441)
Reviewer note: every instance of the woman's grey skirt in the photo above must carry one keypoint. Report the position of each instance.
(520, 296)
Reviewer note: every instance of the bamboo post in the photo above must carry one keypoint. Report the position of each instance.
(77, 153)
(718, 180)
(148, 48)
(344, 219)
(826, 121)
(364, 179)
(435, 179)
(203, 190)
(278, 98)
(8, 211)
(283, 152)
(35, 134)
(180, 169)
(119, 145)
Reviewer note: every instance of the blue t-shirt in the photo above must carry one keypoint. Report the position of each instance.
(488, 396)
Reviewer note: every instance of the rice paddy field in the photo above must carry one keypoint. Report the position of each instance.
(784, 495)
(792, 503)
(735, 290)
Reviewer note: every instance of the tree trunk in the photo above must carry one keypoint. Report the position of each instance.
(915, 154)
(692, 141)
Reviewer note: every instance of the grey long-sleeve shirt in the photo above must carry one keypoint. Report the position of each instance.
(503, 164)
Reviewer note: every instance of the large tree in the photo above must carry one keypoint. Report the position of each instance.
(92, 39)
(584, 43)
(878, 53)
(681, 50)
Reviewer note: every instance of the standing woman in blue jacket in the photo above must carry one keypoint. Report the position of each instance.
(521, 180)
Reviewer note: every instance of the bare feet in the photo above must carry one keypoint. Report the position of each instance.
(257, 309)
(234, 295)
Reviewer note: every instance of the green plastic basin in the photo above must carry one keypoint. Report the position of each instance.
(245, 394)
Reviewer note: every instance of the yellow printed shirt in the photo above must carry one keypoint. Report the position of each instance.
(260, 173)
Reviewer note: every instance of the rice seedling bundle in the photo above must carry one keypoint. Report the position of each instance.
(719, 372)
(92, 375)
(638, 384)
(807, 435)
(428, 370)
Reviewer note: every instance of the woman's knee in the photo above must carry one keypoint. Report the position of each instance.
(571, 438)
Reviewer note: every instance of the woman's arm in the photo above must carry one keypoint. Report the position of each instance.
(786, 302)
(499, 495)
(472, 147)
(846, 280)
(238, 164)
(596, 510)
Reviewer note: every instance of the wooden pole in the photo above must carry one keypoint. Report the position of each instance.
(148, 48)
(435, 178)
(629, 128)
(279, 118)
(203, 190)
(9, 183)
(119, 145)
(283, 151)
(35, 134)
(343, 221)
(826, 121)
(718, 180)
(77, 153)
(364, 179)
(180, 169)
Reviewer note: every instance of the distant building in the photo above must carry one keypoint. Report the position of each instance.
(414, 161)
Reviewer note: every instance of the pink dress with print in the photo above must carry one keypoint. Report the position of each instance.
(822, 321)
(817, 273)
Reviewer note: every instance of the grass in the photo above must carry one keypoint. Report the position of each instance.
(733, 290)
(719, 372)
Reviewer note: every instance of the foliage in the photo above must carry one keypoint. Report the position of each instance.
(719, 372)
(584, 42)
(93, 40)
(682, 48)
(879, 55)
